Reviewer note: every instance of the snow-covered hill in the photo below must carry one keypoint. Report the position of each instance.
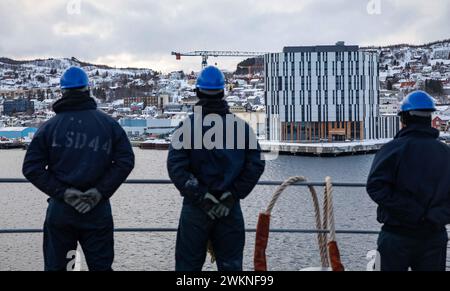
(405, 68)
(404, 55)
(46, 73)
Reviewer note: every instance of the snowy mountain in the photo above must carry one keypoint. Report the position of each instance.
(45, 74)
(404, 68)
(403, 56)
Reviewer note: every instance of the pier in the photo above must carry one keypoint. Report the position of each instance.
(300, 149)
(324, 149)
(12, 145)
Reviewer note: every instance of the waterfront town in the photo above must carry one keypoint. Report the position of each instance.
(259, 139)
(150, 105)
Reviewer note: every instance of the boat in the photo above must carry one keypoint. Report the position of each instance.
(155, 144)
(6, 144)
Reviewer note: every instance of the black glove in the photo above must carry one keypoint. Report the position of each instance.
(92, 197)
(73, 197)
(208, 205)
(223, 209)
(192, 190)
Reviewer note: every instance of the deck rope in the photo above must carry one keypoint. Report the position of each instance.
(330, 208)
(321, 237)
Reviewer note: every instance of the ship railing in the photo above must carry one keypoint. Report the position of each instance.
(249, 230)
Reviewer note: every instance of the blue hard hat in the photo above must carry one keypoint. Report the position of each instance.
(418, 101)
(211, 78)
(74, 78)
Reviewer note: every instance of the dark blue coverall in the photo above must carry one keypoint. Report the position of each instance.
(79, 148)
(218, 171)
(410, 182)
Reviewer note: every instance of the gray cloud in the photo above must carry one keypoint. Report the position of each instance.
(144, 32)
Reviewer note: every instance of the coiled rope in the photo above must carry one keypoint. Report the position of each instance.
(326, 255)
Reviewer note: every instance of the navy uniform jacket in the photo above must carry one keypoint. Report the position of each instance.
(410, 181)
(235, 169)
(80, 148)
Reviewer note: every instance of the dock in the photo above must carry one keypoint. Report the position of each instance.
(298, 149)
(324, 149)
(159, 145)
(12, 145)
(151, 144)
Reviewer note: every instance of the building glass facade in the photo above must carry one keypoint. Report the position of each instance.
(324, 93)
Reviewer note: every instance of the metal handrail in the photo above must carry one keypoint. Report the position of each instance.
(174, 230)
(168, 182)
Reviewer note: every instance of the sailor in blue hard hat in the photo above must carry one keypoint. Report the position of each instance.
(213, 182)
(210, 79)
(74, 78)
(79, 158)
(417, 106)
(410, 182)
(211, 86)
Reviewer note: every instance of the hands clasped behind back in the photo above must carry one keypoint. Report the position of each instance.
(83, 202)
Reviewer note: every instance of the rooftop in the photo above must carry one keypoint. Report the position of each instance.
(443, 117)
(321, 48)
(12, 129)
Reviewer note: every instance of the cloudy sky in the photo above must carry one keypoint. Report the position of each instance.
(143, 33)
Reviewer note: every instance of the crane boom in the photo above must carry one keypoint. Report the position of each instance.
(206, 54)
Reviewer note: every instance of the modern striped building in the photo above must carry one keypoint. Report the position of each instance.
(324, 93)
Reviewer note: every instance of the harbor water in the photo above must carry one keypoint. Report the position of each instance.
(158, 206)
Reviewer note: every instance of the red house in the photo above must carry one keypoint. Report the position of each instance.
(441, 123)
